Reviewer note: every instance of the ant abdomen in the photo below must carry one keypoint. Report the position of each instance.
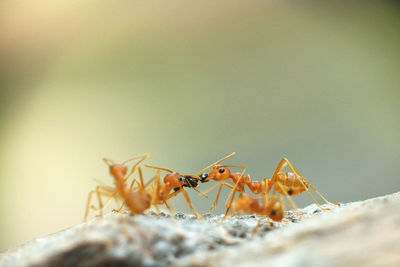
(290, 184)
(137, 202)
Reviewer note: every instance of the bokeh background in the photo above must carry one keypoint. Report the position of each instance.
(189, 82)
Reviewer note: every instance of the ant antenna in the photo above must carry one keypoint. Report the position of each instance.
(216, 163)
(200, 193)
(159, 168)
(143, 157)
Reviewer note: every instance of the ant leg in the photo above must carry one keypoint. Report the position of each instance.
(113, 196)
(173, 194)
(278, 169)
(238, 182)
(190, 203)
(234, 189)
(99, 191)
(141, 184)
(105, 191)
(141, 179)
(297, 174)
(150, 182)
(170, 209)
(89, 205)
(136, 166)
(133, 184)
(232, 213)
(157, 187)
(219, 192)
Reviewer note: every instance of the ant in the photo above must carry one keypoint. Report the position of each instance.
(176, 182)
(291, 183)
(137, 202)
(271, 206)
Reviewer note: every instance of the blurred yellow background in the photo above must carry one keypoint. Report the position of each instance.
(189, 82)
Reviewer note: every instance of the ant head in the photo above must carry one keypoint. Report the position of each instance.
(219, 173)
(118, 170)
(174, 179)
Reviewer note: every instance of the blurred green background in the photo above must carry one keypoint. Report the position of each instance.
(189, 82)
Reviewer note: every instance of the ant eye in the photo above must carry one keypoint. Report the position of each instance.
(221, 170)
(180, 178)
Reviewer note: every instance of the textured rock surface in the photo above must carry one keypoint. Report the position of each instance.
(366, 233)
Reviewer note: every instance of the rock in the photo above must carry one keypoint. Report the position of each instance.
(359, 233)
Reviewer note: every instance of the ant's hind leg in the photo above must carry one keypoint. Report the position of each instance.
(297, 174)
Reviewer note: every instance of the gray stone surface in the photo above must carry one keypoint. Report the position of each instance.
(359, 233)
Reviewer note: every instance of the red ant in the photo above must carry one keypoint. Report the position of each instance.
(271, 206)
(292, 183)
(174, 181)
(137, 202)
